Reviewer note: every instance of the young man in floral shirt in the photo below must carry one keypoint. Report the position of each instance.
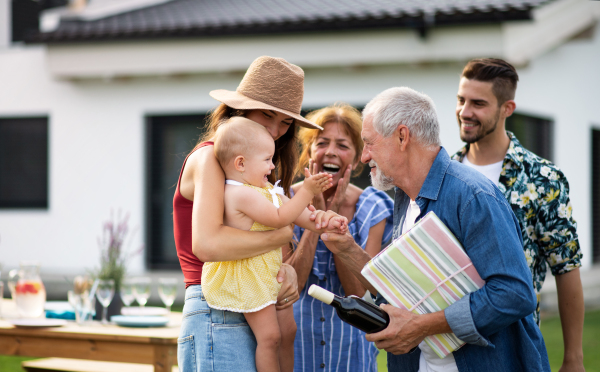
(536, 189)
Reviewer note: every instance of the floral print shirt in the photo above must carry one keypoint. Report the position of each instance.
(538, 193)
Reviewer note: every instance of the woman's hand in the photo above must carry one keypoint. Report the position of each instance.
(288, 294)
(284, 235)
(318, 200)
(340, 192)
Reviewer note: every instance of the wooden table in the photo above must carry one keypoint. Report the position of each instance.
(156, 346)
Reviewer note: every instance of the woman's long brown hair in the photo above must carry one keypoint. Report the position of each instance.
(286, 148)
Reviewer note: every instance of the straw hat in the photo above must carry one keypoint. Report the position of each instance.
(269, 84)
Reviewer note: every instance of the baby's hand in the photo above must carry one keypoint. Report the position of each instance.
(329, 221)
(317, 183)
(338, 224)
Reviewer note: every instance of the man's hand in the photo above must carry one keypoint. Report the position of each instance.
(402, 334)
(288, 294)
(338, 243)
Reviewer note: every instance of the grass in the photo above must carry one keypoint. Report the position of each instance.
(550, 329)
(591, 342)
(12, 363)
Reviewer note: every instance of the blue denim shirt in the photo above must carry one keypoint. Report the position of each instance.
(496, 321)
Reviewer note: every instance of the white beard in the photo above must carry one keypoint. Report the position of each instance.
(380, 181)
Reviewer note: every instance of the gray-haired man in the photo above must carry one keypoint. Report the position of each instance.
(402, 146)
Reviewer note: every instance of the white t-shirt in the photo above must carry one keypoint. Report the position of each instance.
(412, 212)
(429, 360)
(491, 171)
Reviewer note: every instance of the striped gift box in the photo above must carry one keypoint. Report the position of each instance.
(425, 270)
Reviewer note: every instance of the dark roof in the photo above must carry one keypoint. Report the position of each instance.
(203, 18)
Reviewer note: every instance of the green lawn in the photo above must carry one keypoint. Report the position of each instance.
(591, 342)
(11, 363)
(550, 329)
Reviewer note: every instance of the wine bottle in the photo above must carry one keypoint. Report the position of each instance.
(353, 310)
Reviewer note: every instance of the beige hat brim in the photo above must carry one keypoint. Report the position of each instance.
(241, 102)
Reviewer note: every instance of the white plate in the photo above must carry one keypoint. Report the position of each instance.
(140, 321)
(38, 322)
(143, 311)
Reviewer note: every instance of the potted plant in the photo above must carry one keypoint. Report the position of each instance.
(114, 257)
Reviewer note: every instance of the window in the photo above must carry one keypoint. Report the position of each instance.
(169, 140)
(26, 16)
(24, 163)
(535, 134)
(595, 195)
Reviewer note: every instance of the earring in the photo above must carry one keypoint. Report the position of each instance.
(242, 173)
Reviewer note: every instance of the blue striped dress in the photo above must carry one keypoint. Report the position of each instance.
(323, 342)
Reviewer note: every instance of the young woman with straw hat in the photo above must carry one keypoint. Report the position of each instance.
(270, 94)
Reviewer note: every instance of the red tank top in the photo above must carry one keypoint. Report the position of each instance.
(182, 231)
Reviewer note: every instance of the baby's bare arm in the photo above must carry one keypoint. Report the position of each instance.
(329, 221)
(261, 210)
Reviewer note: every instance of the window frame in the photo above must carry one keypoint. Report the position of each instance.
(595, 192)
(538, 120)
(154, 149)
(33, 205)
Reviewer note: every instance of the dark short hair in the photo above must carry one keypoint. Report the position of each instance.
(502, 74)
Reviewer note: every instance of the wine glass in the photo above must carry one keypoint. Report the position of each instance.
(167, 290)
(126, 291)
(141, 290)
(105, 293)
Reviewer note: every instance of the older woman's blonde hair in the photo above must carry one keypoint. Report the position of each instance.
(342, 113)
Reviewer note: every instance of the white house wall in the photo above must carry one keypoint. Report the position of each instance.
(551, 26)
(97, 129)
(563, 85)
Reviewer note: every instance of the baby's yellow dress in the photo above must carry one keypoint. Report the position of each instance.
(248, 285)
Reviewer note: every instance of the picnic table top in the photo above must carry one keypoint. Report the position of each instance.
(92, 329)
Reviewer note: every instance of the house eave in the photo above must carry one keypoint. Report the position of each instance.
(421, 23)
(516, 41)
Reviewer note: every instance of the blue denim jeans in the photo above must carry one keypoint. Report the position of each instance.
(213, 340)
